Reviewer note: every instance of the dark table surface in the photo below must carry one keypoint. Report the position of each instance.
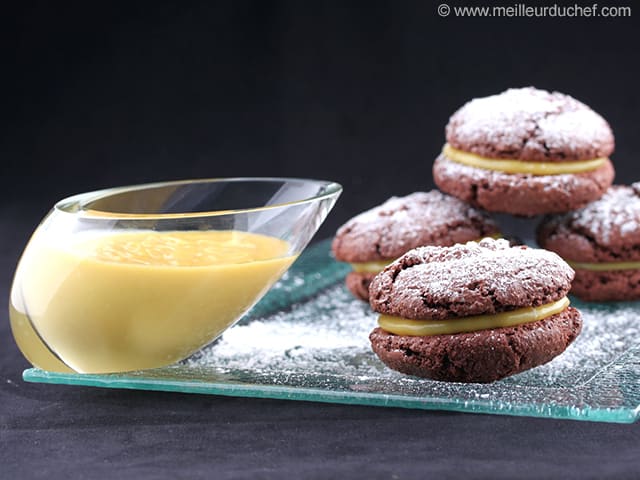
(51, 431)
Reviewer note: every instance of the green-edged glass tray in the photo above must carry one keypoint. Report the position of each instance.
(308, 340)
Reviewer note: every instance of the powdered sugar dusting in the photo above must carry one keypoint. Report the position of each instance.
(530, 124)
(401, 223)
(571, 130)
(324, 344)
(328, 335)
(613, 218)
(471, 279)
(608, 331)
(447, 272)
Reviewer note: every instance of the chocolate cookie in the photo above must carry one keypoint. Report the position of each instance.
(378, 236)
(526, 152)
(473, 313)
(602, 243)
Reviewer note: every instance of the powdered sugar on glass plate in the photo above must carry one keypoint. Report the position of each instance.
(328, 336)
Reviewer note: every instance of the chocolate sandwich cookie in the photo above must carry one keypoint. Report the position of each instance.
(375, 238)
(602, 243)
(526, 152)
(473, 313)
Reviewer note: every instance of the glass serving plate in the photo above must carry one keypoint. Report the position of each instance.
(308, 340)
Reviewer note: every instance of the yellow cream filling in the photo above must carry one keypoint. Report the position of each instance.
(518, 166)
(378, 265)
(370, 267)
(605, 266)
(419, 328)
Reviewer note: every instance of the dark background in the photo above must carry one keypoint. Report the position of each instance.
(99, 94)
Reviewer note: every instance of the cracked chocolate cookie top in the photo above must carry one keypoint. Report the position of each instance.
(607, 230)
(402, 223)
(530, 124)
(472, 279)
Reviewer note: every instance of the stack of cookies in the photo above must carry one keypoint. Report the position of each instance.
(456, 306)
